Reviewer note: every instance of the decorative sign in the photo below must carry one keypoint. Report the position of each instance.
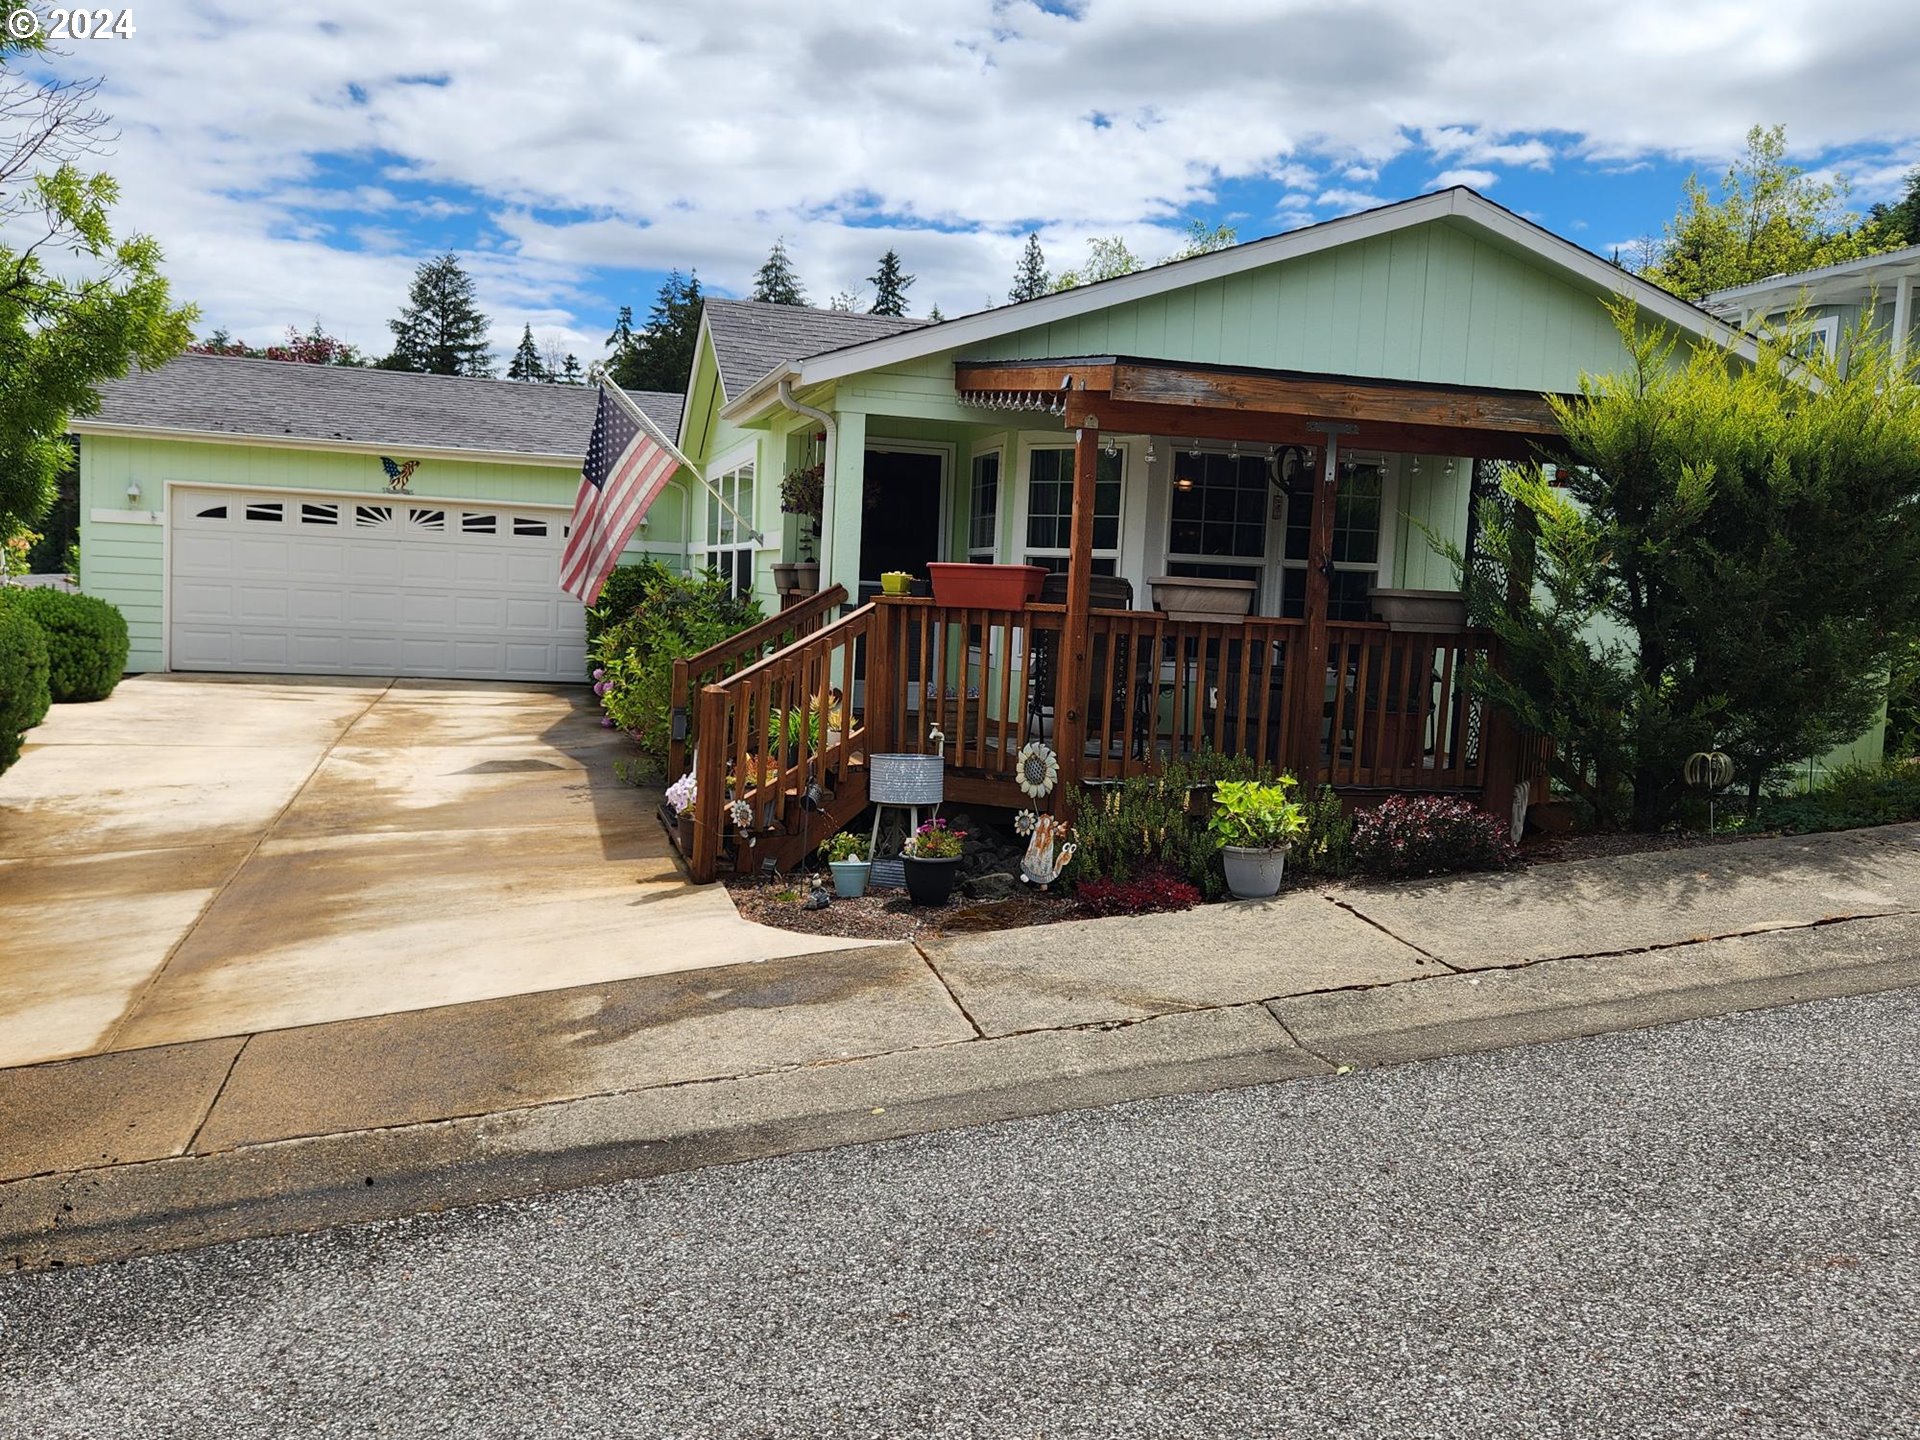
(399, 472)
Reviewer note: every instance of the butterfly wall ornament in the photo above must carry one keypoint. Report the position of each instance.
(399, 472)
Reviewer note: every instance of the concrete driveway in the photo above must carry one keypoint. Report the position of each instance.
(201, 856)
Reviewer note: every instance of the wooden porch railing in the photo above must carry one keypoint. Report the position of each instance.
(717, 662)
(768, 732)
(1389, 710)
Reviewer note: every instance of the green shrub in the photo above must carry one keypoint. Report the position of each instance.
(633, 657)
(1327, 846)
(86, 642)
(1854, 796)
(1157, 820)
(23, 675)
(626, 590)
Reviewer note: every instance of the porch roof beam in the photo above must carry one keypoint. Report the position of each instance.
(1339, 397)
(1184, 422)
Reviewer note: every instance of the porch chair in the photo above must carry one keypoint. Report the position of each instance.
(1106, 592)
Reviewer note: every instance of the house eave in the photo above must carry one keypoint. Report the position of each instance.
(84, 425)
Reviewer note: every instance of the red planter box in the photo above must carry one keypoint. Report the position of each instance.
(969, 586)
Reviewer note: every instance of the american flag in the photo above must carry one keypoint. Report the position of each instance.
(628, 465)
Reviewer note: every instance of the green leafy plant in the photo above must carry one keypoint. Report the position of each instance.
(786, 729)
(23, 676)
(1255, 815)
(86, 642)
(1157, 819)
(633, 657)
(847, 845)
(1853, 796)
(1326, 846)
(626, 590)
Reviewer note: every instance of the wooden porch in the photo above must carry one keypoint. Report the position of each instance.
(1386, 711)
(783, 733)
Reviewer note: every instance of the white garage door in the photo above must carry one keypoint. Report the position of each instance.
(388, 585)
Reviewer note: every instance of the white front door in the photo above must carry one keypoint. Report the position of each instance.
(378, 585)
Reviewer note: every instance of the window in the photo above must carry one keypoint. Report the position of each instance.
(319, 514)
(522, 525)
(1356, 543)
(472, 524)
(429, 519)
(983, 512)
(212, 512)
(1050, 511)
(729, 544)
(271, 512)
(1819, 337)
(372, 517)
(1217, 525)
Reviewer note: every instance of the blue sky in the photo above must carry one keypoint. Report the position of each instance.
(297, 160)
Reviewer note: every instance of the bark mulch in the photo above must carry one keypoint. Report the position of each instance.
(888, 914)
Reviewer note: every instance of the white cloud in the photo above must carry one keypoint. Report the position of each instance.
(612, 135)
(1476, 179)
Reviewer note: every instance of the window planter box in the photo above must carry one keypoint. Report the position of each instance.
(970, 585)
(1191, 597)
(1427, 611)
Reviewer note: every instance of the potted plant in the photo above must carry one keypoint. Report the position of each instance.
(848, 860)
(803, 493)
(896, 582)
(932, 859)
(1255, 825)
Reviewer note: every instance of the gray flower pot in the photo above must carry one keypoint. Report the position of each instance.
(1254, 874)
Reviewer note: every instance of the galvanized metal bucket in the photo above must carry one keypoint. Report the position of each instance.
(906, 779)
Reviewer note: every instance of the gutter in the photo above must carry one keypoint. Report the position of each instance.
(828, 480)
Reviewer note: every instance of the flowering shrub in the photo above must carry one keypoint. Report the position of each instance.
(1429, 835)
(1153, 889)
(936, 840)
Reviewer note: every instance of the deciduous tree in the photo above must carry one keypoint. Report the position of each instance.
(1770, 218)
(1107, 258)
(77, 306)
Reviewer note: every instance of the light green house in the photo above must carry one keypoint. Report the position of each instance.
(266, 517)
(1448, 292)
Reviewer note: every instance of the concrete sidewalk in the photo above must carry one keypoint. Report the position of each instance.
(287, 1129)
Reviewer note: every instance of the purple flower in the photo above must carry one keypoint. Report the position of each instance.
(599, 673)
(606, 722)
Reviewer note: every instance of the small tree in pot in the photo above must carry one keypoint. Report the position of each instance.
(1255, 824)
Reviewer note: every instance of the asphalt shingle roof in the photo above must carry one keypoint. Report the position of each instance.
(275, 398)
(751, 337)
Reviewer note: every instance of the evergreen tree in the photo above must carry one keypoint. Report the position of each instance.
(570, 372)
(1030, 278)
(1771, 218)
(441, 330)
(1901, 219)
(776, 283)
(661, 356)
(526, 364)
(890, 285)
(1693, 581)
(934, 317)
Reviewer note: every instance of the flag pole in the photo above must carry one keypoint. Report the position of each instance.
(597, 373)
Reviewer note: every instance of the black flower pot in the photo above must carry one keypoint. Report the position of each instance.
(930, 882)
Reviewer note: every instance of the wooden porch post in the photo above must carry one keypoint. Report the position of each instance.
(1310, 681)
(1070, 696)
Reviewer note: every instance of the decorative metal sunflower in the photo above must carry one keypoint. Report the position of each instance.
(1038, 769)
(1025, 821)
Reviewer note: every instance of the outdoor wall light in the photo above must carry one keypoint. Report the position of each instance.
(133, 492)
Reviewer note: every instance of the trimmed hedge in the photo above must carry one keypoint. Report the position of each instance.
(23, 676)
(86, 642)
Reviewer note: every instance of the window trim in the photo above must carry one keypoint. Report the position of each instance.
(724, 477)
(998, 454)
(1265, 562)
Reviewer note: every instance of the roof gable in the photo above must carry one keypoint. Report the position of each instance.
(271, 400)
(1503, 245)
(751, 337)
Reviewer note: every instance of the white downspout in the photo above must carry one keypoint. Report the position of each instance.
(830, 463)
(1902, 317)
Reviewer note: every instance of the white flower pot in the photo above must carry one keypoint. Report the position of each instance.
(1254, 874)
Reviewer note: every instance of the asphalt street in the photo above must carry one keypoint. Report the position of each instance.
(1706, 1230)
